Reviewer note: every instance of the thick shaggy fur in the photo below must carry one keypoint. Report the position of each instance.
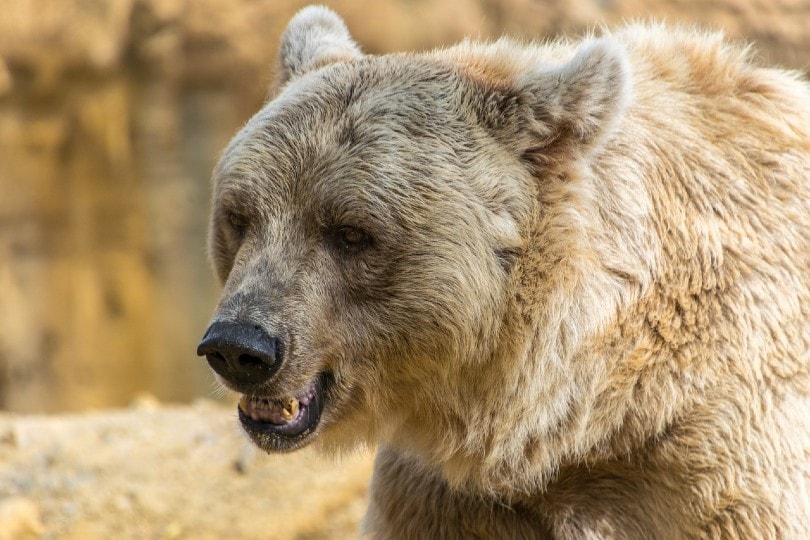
(583, 309)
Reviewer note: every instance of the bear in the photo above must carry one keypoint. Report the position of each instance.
(563, 288)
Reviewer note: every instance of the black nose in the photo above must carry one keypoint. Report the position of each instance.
(243, 354)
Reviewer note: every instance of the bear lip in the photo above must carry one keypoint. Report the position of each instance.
(283, 424)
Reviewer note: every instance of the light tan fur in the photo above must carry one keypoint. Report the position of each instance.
(585, 312)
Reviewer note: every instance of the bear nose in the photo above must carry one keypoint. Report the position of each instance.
(243, 354)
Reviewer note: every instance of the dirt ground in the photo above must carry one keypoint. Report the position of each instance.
(167, 472)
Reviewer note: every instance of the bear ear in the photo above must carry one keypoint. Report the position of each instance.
(315, 37)
(570, 108)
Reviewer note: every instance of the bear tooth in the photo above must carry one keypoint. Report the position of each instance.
(290, 408)
(243, 404)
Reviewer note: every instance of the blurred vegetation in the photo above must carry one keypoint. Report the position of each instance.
(112, 114)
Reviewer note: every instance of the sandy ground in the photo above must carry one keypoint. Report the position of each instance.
(161, 472)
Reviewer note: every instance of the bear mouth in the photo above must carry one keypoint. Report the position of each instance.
(283, 424)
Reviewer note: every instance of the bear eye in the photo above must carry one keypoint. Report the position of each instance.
(238, 223)
(352, 235)
(348, 237)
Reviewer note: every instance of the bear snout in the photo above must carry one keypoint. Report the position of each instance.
(243, 354)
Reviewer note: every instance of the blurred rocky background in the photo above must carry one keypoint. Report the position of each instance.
(112, 114)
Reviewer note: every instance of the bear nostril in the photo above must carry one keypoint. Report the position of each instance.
(248, 361)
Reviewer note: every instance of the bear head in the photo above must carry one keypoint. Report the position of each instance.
(369, 225)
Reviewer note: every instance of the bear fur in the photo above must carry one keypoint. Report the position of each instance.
(565, 288)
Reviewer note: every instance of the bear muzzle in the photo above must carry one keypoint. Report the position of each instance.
(247, 358)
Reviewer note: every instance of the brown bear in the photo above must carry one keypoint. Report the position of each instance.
(565, 288)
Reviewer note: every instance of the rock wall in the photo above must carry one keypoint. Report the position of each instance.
(112, 114)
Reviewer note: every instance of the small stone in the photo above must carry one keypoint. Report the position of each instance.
(246, 457)
(145, 402)
(8, 437)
